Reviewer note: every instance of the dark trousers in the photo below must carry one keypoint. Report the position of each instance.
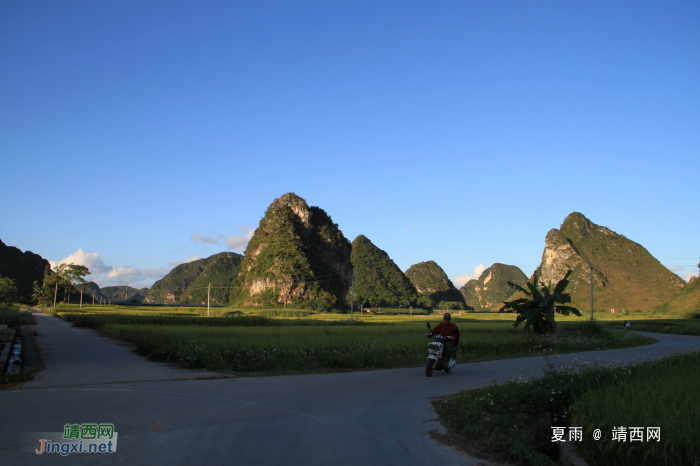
(448, 351)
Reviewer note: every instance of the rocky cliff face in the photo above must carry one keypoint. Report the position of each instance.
(488, 292)
(23, 267)
(431, 281)
(170, 289)
(625, 275)
(297, 256)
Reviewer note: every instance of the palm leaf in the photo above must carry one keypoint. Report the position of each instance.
(563, 283)
(566, 310)
(518, 287)
(535, 292)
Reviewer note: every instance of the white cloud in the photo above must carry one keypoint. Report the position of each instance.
(205, 238)
(239, 243)
(90, 260)
(106, 275)
(460, 280)
(134, 276)
(677, 269)
(689, 275)
(185, 261)
(233, 242)
(413, 225)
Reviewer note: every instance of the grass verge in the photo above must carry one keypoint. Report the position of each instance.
(674, 326)
(506, 418)
(11, 380)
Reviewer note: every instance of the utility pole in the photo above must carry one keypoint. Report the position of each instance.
(126, 290)
(81, 297)
(208, 293)
(590, 263)
(352, 298)
(93, 298)
(54, 295)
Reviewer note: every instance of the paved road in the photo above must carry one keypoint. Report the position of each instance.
(166, 417)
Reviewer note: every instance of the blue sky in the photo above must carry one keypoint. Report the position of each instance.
(459, 132)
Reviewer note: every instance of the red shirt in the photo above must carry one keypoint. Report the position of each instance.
(447, 330)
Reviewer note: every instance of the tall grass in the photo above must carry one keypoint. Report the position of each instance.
(661, 395)
(647, 394)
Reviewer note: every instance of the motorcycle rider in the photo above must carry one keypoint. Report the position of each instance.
(451, 333)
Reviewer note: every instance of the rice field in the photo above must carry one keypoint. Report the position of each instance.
(243, 342)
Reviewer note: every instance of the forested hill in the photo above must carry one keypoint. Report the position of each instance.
(491, 288)
(625, 274)
(23, 267)
(297, 257)
(431, 281)
(220, 273)
(379, 282)
(169, 289)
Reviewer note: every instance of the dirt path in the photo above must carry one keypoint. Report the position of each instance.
(77, 356)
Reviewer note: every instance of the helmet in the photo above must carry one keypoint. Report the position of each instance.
(447, 316)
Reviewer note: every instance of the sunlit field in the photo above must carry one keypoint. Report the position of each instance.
(238, 341)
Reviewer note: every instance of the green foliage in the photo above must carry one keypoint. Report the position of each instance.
(23, 267)
(673, 326)
(8, 292)
(18, 377)
(491, 288)
(15, 315)
(41, 293)
(452, 306)
(101, 321)
(625, 274)
(687, 300)
(655, 395)
(277, 340)
(297, 258)
(170, 289)
(430, 280)
(378, 280)
(502, 414)
(538, 311)
(220, 273)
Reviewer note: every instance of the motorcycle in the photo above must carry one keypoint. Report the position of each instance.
(435, 352)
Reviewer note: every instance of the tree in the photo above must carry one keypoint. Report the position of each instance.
(41, 293)
(8, 292)
(72, 276)
(539, 308)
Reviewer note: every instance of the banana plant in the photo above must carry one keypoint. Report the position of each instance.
(540, 306)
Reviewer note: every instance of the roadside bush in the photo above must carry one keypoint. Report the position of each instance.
(13, 316)
(21, 376)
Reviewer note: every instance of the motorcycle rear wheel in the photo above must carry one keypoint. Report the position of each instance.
(429, 367)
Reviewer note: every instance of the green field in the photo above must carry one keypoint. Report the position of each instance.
(499, 418)
(241, 342)
(674, 326)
